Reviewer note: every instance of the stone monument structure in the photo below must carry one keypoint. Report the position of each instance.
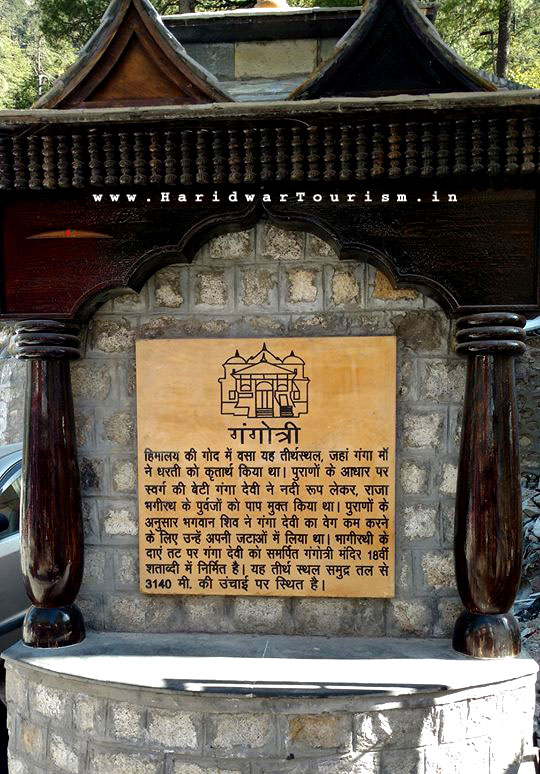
(263, 287)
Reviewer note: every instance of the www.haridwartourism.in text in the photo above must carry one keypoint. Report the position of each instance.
(296, 197)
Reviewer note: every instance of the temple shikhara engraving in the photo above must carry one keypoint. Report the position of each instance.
(288, 502)
(264, 385)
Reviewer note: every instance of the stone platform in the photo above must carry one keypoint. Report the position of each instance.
(203, 704)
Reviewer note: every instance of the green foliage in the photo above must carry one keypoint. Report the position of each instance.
(460, 24)
(28, 64)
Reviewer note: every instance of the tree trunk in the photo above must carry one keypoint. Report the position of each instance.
(186, 6)
(503, 46)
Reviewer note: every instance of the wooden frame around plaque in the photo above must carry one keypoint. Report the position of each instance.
(267, 466)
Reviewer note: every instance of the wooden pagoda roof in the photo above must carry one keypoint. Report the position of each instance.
(392, 48)
(132, 59)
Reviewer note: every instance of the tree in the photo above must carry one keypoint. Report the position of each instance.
(515, 25)
(503, 39)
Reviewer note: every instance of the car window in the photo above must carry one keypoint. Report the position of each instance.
(10, 495)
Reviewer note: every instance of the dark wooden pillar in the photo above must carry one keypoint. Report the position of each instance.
(51, 523)
(488, 503)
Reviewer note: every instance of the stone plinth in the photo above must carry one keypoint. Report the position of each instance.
(203, 704)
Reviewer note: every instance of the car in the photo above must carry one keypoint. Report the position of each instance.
(13, 599)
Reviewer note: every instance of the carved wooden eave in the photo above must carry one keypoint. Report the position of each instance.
(392, 48)
(131, 60)
(473, 139)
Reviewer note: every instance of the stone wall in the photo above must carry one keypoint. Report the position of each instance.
(528, 391)
(59, 724)
(269, 282)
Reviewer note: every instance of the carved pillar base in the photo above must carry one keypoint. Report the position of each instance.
(487, 636)
(487, 543)
(46, 627)
(51, 521)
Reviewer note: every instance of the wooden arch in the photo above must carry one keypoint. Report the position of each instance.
(71, 236)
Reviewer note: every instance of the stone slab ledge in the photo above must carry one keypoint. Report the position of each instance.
(253, 665)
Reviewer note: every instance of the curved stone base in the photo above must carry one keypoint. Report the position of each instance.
(203, 704)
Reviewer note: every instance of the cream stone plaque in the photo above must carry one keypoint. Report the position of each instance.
(267, 466)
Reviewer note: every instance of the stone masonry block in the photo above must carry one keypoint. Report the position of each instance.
(169, 287)
(323, 616)
(164, 614)
(319, 324)
(448, 611)
(418, 521)
(396, 728)
(119, 428)
(49, 702)
(421, 430)
(363, 763)
(302, 286)
(16, 689)
(126, 721)
(345, 286)
(404, 572)
(90, 381)
(240, 245)
(131, 301)
(114, 335)
(279, 244)
(274, 58)
(96, 566)
(452, 721)
(120, 520)
(216, 57)
(315, 732)
(448, 478)
(448, 513)
(125, 613)
(414, 477)
(84, 427)
(406, 379)
(32, 739)
(409, 617)
(258, 288)
(383, 294)
(473, 757)
(369, 617)
(126, 568)
(318, 248)
(124, 476)
(402, 761)
(175, 730)
(124, 763)
(186, 767)
(17, 766)
(265, 614)
(250, 731)
(442, 381)
(63, 754)
(422, 331)
(89, 714)
(91, 471)
(204, 614)
(438, 569)
(212, 288)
